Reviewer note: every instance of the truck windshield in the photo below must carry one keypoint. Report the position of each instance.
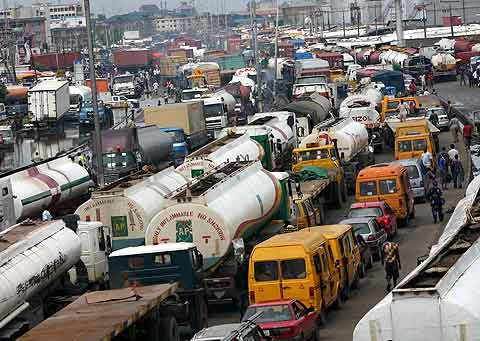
(419, 145)
(189, 95)
(75, 99)
(405, 146)
(177, 136)
(123, 79)
(311, 80)
(310, 155)
(213, 110)
(116, 160)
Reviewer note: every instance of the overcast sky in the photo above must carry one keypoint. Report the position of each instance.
(111, 7)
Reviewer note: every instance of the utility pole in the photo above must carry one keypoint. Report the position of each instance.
(343, 23)
(376, 19)
(464, 13)
(275, 72)
(358, 21)
(434, 13)
(253, 8)
(449, 2)
(399, 22)
(98, 130)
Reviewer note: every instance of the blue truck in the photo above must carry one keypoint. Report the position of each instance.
(85, 116)
(179, 144)
(161, 264)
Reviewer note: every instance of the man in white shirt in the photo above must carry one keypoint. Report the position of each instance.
(426, 159)
(452, 152)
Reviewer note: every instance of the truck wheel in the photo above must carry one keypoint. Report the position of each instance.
(361, 270)
(169, 328)
(200, 320)
(338, 304)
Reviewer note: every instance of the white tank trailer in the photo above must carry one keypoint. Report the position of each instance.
(128, 207)
(438, 300)
(230, 148)
(351, 137)
(50, 184)
(32, 257)
(232, 201)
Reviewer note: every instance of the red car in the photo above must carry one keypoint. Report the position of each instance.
(285, 320)
(379, 210)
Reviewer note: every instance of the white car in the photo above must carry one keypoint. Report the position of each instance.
(442, 117)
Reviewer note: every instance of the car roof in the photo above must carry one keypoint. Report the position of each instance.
(381, 170)
(214, 332)
(332, 231)
(368, 204)
(308, 238)
(356, 220)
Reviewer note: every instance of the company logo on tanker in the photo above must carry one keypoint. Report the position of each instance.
(195, 163)
(185, 225)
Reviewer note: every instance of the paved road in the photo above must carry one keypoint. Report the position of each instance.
(414, 241)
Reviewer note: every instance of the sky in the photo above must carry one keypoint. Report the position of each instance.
(112, 7)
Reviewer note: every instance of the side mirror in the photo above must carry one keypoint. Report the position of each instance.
(371, 149)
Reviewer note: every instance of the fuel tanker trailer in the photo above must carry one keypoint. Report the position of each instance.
(127, 208)
(230, 148)
(52, 184)
(33, 257)
(224, 212)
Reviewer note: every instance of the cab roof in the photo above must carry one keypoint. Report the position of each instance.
(381, 169)
(308, 238)
(332, 231)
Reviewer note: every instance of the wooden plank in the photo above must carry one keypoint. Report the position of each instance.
(81, 321)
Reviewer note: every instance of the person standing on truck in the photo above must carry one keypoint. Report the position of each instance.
(391, 262)
(402, 111)
(436, 202)
(454, 128)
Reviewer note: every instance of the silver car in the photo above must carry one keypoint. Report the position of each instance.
(443, 121)
(232, 331)
(416, 175)
(370, 230)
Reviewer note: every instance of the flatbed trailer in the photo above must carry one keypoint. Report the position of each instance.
(120, 314)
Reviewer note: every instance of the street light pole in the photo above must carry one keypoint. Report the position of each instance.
(276, 57)
(449, 2)
(98, 130)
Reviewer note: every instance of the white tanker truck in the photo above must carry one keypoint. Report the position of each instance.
(438, 300)
(230, 148)
(224, 213)
(128, 207)
(50, 184)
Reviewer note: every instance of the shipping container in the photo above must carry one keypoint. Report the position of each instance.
(188, 116)
(102, 84)
(131, 58)
(49, 100)
(56, 61)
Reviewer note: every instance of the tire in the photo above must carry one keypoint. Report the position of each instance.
(338, 304)
(356, 281)
(370, 262)
(322, 318)
(361, 270)
(169, 329)
(200, 320)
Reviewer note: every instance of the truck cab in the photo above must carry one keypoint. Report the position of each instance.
(216, 115)
(161, 264)
(179, 146)
(124, 85)
(85, 116)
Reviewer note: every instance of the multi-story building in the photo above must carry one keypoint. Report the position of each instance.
(189, 24)
(27, 29)
(65, 11)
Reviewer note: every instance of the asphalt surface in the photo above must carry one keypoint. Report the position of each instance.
(414, 242)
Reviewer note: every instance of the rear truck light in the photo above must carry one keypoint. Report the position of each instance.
(252, 297)
(311, 292)
(371, 238)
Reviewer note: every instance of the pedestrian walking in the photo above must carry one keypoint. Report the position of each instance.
(443, 170)
(467, 134)
(436, 202)
(475, 78)
(458, 172)
(469, 76)
(402, 111)
(426, 158)
(433, 118)
(454, 126)
(412, 88)
(391, 262)
(423, 82)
